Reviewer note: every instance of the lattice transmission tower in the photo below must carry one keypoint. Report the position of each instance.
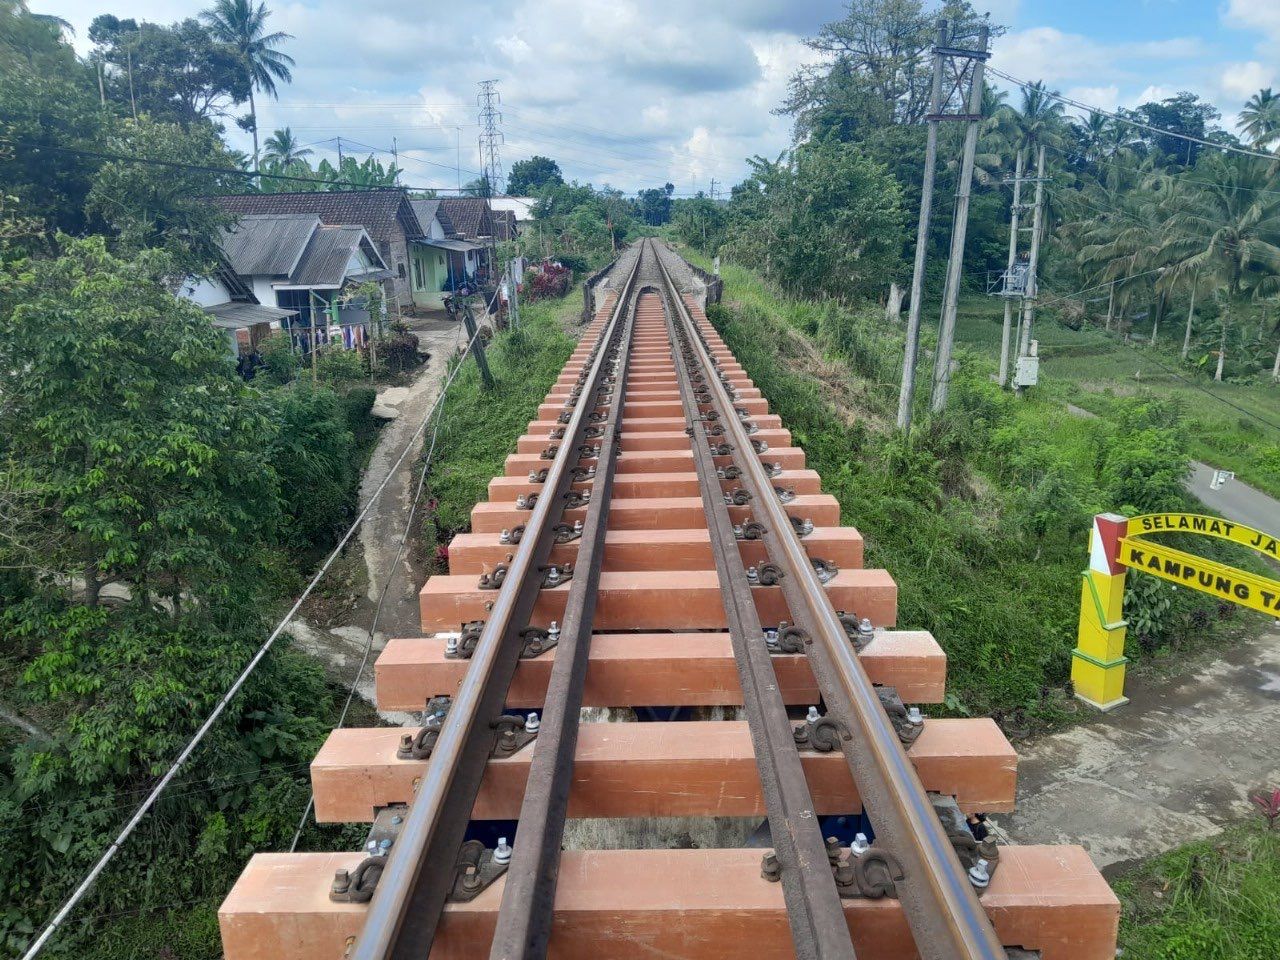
(490, 135)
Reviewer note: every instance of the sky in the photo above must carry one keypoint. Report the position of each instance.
(635, 93)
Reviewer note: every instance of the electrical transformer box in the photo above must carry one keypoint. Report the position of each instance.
(1027, 373)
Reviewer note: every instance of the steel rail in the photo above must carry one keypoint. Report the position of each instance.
(946, 919)
(819, 930)
(405, 910)
(528, 896)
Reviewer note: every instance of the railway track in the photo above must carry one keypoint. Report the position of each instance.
(656, 544)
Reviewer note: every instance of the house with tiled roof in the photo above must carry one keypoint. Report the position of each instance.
(471, 217)
(385, 215)
(442, 260)
(291, 271)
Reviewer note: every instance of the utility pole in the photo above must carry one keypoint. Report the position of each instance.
(458, 168)
(490, 136)
(959, 228)
(477, 348)
(713, 189)
(1007, 328)
(1033, 284)
(907, 393)
(339, 139)
(395, 153)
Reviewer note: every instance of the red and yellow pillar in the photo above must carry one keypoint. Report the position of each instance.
(1098, 661)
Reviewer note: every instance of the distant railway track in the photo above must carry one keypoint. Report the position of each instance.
(657, 542)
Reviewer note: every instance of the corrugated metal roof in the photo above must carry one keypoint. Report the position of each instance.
(267, 244)
(240, 316)
(324, 263)
(377, 211)
(451, 244)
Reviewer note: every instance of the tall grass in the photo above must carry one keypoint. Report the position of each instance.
(1218, 899)
(982, 514)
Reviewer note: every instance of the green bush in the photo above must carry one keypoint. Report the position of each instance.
(280, 361)
(336, 364)
(314, 456)
(356, 404)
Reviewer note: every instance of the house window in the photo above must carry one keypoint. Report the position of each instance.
(400, 269)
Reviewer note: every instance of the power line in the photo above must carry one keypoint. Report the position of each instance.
(226, 171)
(1120, 118)
(1182, 177)
(65, 910)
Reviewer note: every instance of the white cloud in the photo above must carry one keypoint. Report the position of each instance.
(1108, 97)
(1243, 80)
(1152, 93)
(1051, 55)
(1262, 15)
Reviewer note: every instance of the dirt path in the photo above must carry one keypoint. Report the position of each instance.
(381, 531)
(1176, 764)
(341, 647)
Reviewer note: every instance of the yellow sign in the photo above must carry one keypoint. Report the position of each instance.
(1196, 573)
(1264, 543)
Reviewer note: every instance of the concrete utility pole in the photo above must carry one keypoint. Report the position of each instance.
(1006, 329)
(955, 264)
(965, 87)
(1033, 285)
(907, 392)
(477, 348)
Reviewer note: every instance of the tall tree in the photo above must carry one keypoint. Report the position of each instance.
(1260, 118)
(653, 204)
(48, 106)
(1227, 229)
(282, 148)
(243, 25)
(530, 176)
(179, 73)
(876, 58)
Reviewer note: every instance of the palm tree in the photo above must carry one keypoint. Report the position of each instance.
(1227, 230)
(242, 24)
(282, 148)
(1093, 135)
(1260, 118)
(1039, 119)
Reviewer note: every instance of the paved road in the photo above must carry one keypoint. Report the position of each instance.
(1176, 764)
(1235, 501)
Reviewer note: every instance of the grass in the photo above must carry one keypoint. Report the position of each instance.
(982, 518)
(481, 427)
(1092, 369)
(1218, 899)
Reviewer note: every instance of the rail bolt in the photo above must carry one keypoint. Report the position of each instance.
(471, 877)
(503, 852)
(866, 632)
(532, 723)
(978, 875)
(859, 845)
(914, 716)
(770, 868)
(341, 881)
